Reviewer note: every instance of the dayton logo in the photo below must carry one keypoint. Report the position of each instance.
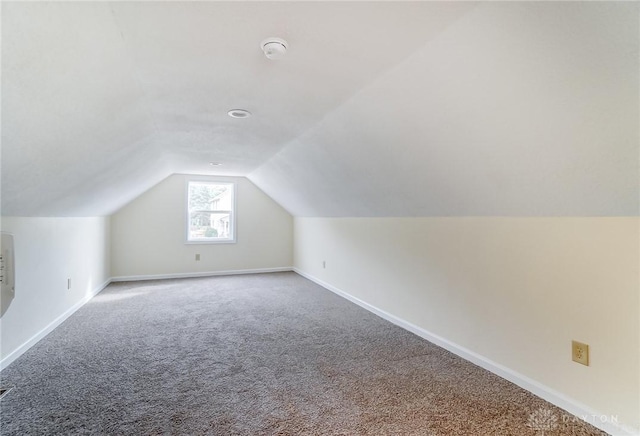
(542, 420)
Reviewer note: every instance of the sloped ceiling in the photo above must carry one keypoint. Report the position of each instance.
(378, 109)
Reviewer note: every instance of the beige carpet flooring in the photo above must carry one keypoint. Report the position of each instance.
(268, 354)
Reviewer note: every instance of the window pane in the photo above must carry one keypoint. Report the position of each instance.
(209, 196)
(210, 211)
(208, 225)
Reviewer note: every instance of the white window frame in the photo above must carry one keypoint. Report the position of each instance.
(232, 221)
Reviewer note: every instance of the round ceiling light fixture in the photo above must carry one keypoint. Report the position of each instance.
(239, 113)
(274, 48)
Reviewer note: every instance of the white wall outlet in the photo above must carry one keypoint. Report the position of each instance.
(198, 257)
(324, 264)
(68, 284)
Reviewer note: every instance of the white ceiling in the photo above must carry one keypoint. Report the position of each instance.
(378, 109)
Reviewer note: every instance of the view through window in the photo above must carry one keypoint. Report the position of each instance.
(211, 209)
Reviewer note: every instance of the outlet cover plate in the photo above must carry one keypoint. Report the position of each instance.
(580, 352)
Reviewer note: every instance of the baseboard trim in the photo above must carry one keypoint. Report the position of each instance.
(50, 327)
(573, 407)
(200, 274)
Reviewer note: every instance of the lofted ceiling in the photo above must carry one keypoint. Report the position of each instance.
(378, 109)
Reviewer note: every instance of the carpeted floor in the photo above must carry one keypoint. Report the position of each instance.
(268, 354)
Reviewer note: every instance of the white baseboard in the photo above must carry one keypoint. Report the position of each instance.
(573, 407)
(199, 274)
(49, 328)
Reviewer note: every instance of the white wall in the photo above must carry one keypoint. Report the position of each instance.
(48, 251)
(538, 98)
(514, 290)
(148, 235)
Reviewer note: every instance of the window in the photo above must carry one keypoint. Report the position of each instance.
(210, 211)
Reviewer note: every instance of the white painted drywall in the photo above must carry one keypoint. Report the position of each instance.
(149, 234)
(514, 290)
(378, 109)
(516, 109)
(48, 251)
(122, 94)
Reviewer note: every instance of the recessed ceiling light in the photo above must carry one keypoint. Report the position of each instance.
(239, 113)
(215, 164)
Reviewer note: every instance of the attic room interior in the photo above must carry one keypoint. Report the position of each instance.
(320, 218)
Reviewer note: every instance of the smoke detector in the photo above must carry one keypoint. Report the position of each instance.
(274, 48)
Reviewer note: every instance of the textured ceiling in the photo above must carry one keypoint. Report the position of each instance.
(378, 109)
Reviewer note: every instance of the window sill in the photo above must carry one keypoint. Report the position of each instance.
(225, 241)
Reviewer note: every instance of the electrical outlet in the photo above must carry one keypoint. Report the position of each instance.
(197, 257)
(580, 352)
(324, 264)
(68, 284)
